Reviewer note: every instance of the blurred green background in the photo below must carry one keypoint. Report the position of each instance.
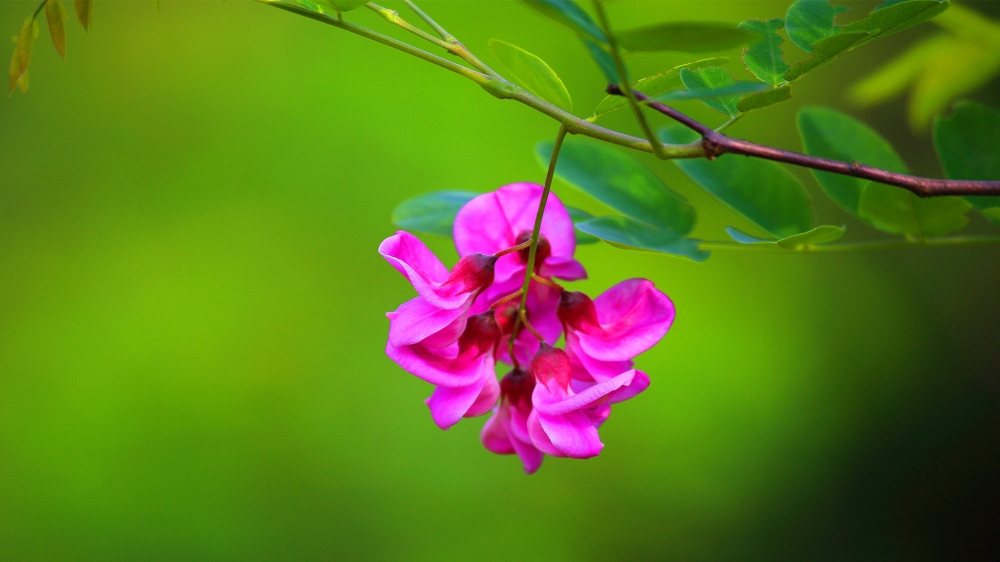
(192, 319)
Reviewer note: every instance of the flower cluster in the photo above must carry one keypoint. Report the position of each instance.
(465, 320)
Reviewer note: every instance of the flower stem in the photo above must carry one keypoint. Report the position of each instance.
(535, 233)
(456, 46)
(548, 282)
(506, 299)
(513, 249)
(625, 87)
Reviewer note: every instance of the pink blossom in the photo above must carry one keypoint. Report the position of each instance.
(563, 422)
(603, 336)
(506, 432)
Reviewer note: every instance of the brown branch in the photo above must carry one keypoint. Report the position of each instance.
(717, 144)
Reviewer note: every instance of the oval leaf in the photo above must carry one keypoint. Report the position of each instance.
(764, 58)
(808, 21)
(819, 235)
(56, 16)
(685, 37)
(571, 15)
(622, 183)
(764, 99)
(740, 88)
(654, 85)
(831, 134)
(83, 9)
(712, 78)
(25, 41)
(431, 213)
(532, 72)
(629, 234)
(15, 69)
(760, 190)
(578, 216)
(968, 144)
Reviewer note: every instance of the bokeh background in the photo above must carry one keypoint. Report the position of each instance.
(192, 319)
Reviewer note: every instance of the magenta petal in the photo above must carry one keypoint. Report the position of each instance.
(440, 366)
(572, 433)
(487, 398)
(416, 320)
(638, 385)
(449, 405)
(530, 456)
(539, 438)
(634, 316)
(563, 267)
(586, 368)
(494, 435)
(561, 403)
(421, 268)
(599, 414)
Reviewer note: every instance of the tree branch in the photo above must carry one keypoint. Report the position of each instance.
(717, 144)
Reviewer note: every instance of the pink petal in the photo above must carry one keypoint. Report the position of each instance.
(416, 320)
(539, 438)
(487, 398)
(491, 222)
(421, 268)
(494, 436)
(530, 456)
(638, 385)
(563, 267)
(598, 414)
(431, 365)
(552, 400)
(634, 316)
(449, 405)
(586, 368)
(572, 433)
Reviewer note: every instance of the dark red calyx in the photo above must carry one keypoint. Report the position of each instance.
(543, 252)
(576, 311)
(517, 386)
(551, 363)
(472, 273)
(506, 315)
(481, 332)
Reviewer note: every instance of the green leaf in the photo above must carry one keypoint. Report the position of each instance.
(831, 134)
(83, 10)
(712, 78)
(578, 216)
(764, 99)
(629, 234)
(56, 16)
(309, 4)
(571, 15)
(342, 5)
(654, 85)
(808, 21)
(819, 235)
(739, 88)
(879, 23)
(760, 190)
(431, 213)
(968, 144)
(993, 214)
(532, 72)
(685, 37)
(764, 57)
(604, 61)
(622, 183)
(25, 40)
(15, 69)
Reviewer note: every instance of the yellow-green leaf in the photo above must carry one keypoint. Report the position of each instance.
(25, 41)
(83, 8)
(56, 15)
(15, 69)
(654, 85)
(532, 72)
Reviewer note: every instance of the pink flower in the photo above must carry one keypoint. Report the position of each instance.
(563, 422)
(462, 372)
(604, 335)
(433, 337)
(503, 219)
(445, 298)
(506, 432)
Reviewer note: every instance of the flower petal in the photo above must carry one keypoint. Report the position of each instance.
(449, 405)
(417, 320)
(560, 402)
(572, 433)
(421, 268)
(431, 365)
(539, 438)
(530, 456)
(495, 436)
(563, 267)
(634, 316)
(487, 398)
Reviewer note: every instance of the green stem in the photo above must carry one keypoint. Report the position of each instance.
(430, 21)
(456, 46)
(874, 245)
(535, 233)
(624, 85)
(379, 38)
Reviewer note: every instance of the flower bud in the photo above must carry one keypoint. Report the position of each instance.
(576, 311)
(517, 386)
(473, 272)
(541, 254)
(551, 363)
(481, 331)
